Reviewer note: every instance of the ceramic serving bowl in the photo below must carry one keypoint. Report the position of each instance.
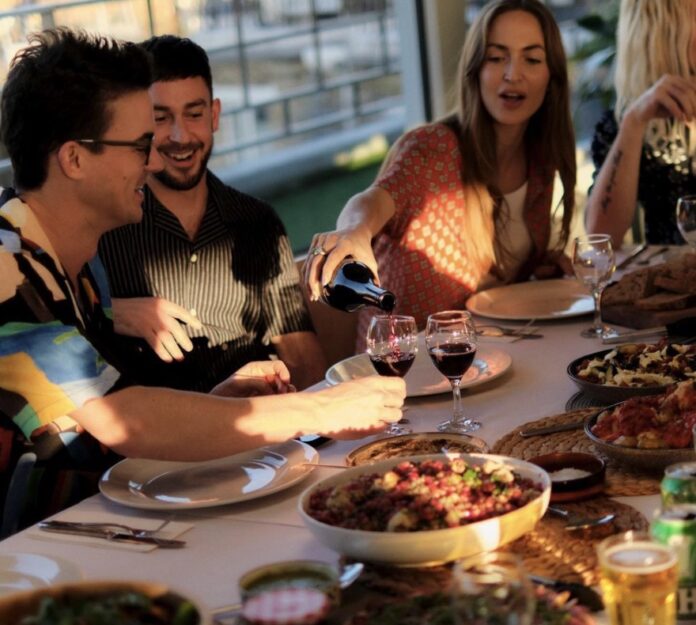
(605, 393)
(651, 459)
(429, 547)
(171, 607)
(564, 470)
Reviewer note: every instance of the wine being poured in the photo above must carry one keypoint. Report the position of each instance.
(392, 344)
(353, 286)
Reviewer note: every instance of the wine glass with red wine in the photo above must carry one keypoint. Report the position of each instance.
(450, 337)
(392, 344)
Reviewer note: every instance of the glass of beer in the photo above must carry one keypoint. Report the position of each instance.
(638, 578)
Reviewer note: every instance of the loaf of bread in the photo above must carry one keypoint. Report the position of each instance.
(668, 286)
(665, 301)
(631, 287)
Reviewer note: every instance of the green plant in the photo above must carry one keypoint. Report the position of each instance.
(595, 56)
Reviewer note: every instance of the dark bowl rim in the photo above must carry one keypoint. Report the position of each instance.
(608, 388)
(596, 476)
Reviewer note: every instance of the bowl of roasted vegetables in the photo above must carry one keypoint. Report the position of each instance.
(99, 603)
(426, 510)
(648, 432)
(633, 369)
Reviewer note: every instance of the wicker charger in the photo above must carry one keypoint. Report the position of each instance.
(570, 556)
(621, 480)
(550, 551)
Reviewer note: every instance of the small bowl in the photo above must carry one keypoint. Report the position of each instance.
(292, 574)
(606, 393)
(573, 488)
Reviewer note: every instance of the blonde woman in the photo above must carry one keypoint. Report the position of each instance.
(644, 149)
(465, 202)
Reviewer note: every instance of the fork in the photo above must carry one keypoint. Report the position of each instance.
(131, 531)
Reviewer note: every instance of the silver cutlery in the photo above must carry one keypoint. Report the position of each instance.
(133, 531)
(632, 256)
(552, 429)
(576, 522)
(117, 535)
(649, 257)
(494, 330)
(584, 594)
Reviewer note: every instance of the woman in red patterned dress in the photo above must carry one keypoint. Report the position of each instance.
(464, 203)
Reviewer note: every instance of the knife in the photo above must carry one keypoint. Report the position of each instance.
(63, 527)
(552, 429)
(584, 594)
(682, 330)
(632, 256)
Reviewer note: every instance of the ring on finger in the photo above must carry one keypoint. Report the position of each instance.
(317, 251)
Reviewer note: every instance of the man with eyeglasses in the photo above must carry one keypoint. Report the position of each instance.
(76, 120)
(207, 278)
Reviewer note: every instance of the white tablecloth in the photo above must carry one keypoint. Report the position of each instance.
(227, 541)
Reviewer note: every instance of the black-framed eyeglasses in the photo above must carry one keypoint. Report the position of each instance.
(143, 145)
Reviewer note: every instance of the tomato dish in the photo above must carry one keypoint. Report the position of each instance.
(654, 422)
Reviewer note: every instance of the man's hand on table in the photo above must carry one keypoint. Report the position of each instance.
(158, 321)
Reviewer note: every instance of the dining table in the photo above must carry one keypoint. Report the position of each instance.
(226, 541)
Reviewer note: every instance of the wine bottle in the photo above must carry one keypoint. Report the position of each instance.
(353, 286)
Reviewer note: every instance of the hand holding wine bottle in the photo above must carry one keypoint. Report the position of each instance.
(392, 344)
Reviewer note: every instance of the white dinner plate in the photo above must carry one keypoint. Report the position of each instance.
(164, 485)
(538, 299)
(423, 378)
(29, 571)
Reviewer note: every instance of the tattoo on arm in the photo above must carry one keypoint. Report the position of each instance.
(606, 200)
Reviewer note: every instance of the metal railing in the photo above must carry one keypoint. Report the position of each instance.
(261, 118)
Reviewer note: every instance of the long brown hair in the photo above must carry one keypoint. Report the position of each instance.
(549, 132)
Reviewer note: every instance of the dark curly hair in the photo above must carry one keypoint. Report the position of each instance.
(175, 58)
(59, 88)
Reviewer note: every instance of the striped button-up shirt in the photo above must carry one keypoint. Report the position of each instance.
(237, 276)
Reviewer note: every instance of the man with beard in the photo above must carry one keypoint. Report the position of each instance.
(209, 270)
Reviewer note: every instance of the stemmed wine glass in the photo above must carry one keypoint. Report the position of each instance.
(686, 218)
(594, 264)
(492, 587)
(392, 344)
(450, 337)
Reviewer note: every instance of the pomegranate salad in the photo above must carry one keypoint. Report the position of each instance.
(424, 495)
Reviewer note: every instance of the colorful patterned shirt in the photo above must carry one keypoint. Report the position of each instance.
(48, 367)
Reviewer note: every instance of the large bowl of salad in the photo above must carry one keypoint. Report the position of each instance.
(99, 603)
(426, 510)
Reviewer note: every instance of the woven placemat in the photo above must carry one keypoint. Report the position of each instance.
(550, 551)
(570, 556)
(622, 481)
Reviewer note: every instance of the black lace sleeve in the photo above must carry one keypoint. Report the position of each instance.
(604, 135)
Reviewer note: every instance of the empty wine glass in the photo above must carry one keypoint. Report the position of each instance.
(686, 218)
(392, 344)
(492, 589)
(450, 337)
(594, 264)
